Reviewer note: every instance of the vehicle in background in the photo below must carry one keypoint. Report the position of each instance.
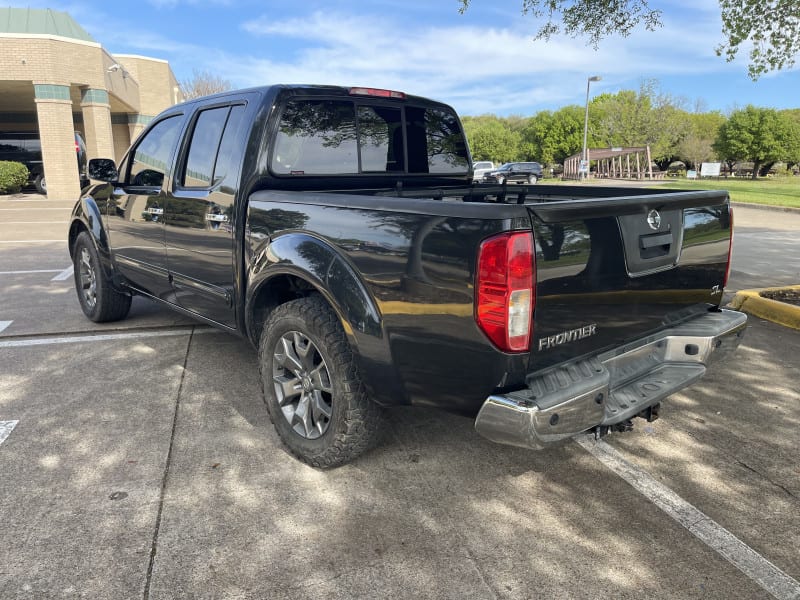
(518, 172)
(480, 168)
(26, 147)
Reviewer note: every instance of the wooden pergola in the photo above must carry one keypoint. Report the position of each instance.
(612, 163)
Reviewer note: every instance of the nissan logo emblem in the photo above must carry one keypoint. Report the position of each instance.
(654, 219)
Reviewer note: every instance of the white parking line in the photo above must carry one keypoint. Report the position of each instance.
(74, 339)
(6, 427)
(30, 272)
(65, 274)
(31, 241)
(5, 324)
(711, 533)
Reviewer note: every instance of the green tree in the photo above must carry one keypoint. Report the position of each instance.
(793, 157)
(491, 139)
(760, 135)
(646, 117)
(698, 145)
(551, 137)
(770, 28)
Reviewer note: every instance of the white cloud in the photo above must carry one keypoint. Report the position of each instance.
(477, 69)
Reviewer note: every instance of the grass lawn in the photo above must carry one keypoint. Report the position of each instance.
(781, 191)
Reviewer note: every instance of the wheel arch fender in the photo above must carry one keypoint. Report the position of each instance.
(86, 216)
(297, 264)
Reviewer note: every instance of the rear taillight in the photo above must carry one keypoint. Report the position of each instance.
(77, 147)
(730, 247)
(504, 292)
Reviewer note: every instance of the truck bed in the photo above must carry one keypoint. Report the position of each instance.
(603, 275)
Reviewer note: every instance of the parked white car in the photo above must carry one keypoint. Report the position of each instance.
(480, 168)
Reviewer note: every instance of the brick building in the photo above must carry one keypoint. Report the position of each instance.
(56, 79)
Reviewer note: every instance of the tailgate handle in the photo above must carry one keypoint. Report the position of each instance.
(656, 239)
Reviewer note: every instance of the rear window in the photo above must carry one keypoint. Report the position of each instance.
(330, 137)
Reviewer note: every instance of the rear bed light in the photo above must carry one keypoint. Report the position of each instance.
(362, 91)
(505, 296)
(730, 247)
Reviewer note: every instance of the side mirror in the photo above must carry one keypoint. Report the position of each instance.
(103, 169)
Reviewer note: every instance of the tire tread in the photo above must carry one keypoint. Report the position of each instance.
(361, 425)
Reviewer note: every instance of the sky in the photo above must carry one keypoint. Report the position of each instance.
(483, 61)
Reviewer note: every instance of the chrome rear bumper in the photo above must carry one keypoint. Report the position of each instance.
(611, 387)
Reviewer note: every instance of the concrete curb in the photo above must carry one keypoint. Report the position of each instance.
(788, 209)
(751, 301)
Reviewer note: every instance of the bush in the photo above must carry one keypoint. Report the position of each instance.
(13, 176)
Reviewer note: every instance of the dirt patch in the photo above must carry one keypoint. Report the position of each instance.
(787, 296)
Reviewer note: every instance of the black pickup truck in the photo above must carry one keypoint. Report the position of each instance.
(338, 230)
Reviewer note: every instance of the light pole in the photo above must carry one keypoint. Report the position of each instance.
(585, 162)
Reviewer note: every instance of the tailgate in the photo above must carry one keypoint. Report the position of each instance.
(611, 270)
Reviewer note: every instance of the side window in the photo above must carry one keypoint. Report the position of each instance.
(227, 158)
(203, 147)
(380, 139)
(316, 137)
(151, 158)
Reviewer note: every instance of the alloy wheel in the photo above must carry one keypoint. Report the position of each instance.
(303, 385)
(88, 279)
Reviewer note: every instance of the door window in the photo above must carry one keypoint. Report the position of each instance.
(227, 159)
(150, 164)
(203, 147)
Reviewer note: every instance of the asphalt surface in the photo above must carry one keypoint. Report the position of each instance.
(147, 467)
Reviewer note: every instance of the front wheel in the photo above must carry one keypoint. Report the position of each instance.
(501, 180)
(41, 185)
(99, 300)
(312, 389)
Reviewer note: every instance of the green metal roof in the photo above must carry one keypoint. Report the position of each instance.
(41, 21)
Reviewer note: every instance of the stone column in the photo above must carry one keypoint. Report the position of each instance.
(57, 134)
(97, 124)
(137, 124)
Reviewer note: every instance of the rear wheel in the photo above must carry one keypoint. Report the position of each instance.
(532, 179)
(313, 393)
(99, 300)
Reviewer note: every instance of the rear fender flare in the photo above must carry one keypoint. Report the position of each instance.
(325, 270)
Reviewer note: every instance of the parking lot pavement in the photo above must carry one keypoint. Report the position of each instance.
(143, 464)
(435, 512)
(766, 245)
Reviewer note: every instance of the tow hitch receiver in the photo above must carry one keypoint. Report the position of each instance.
(650, 414)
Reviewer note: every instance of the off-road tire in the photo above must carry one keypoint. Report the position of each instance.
(355, 421)
(99, 300)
